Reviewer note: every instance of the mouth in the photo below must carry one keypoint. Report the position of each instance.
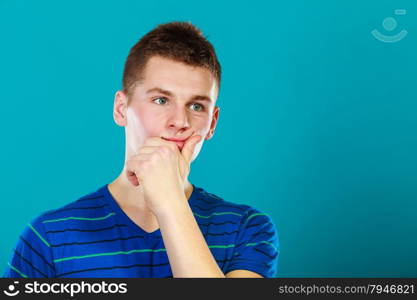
(180, 142)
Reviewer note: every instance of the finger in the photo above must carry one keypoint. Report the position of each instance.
(157, 142)
(138, 158)
(147, 150)
(132, 168)
(189, 147)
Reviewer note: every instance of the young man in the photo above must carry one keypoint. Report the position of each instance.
(151, 221)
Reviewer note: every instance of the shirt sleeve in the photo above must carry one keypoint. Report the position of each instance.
(257, 247)
(32, 255)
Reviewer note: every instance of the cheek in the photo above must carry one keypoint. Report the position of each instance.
(152, 123)
(202, 126)
(134, 131)
(140, 125)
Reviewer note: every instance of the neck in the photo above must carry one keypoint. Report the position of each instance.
(127, 195)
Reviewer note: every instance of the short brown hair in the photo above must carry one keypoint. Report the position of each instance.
(180, 41)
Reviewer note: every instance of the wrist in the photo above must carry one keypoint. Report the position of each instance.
(174, 205)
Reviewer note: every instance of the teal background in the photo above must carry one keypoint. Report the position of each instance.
(317, 125)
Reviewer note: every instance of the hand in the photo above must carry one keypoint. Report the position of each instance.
(159, 170)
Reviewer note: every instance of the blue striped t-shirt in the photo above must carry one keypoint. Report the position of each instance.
(93, 237)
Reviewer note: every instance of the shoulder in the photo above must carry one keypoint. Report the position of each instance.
(251, 232)
(36, 247)
(210, 202)
(84, 205)
(88, 206)
(206, 202)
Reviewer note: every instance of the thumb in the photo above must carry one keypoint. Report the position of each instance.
(189, 146)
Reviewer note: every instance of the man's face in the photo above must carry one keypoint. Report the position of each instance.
(173, 101)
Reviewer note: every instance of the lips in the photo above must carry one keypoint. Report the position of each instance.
(175, 140)
(180, 142)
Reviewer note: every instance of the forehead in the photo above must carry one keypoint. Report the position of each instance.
(175, 76)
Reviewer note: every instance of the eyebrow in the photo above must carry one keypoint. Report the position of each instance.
(169, 93)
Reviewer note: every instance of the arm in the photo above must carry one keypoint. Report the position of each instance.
(187, 250)
(161, 171)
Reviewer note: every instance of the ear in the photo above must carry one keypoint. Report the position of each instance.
(119, 108)
(213, 123)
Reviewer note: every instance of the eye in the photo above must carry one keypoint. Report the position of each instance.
(199, 105)
(165, 99)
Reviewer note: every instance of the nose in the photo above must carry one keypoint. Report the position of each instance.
(179, 118)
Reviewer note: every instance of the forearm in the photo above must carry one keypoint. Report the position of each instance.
(187, 250)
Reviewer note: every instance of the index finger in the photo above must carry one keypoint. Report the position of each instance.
(158, 141)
